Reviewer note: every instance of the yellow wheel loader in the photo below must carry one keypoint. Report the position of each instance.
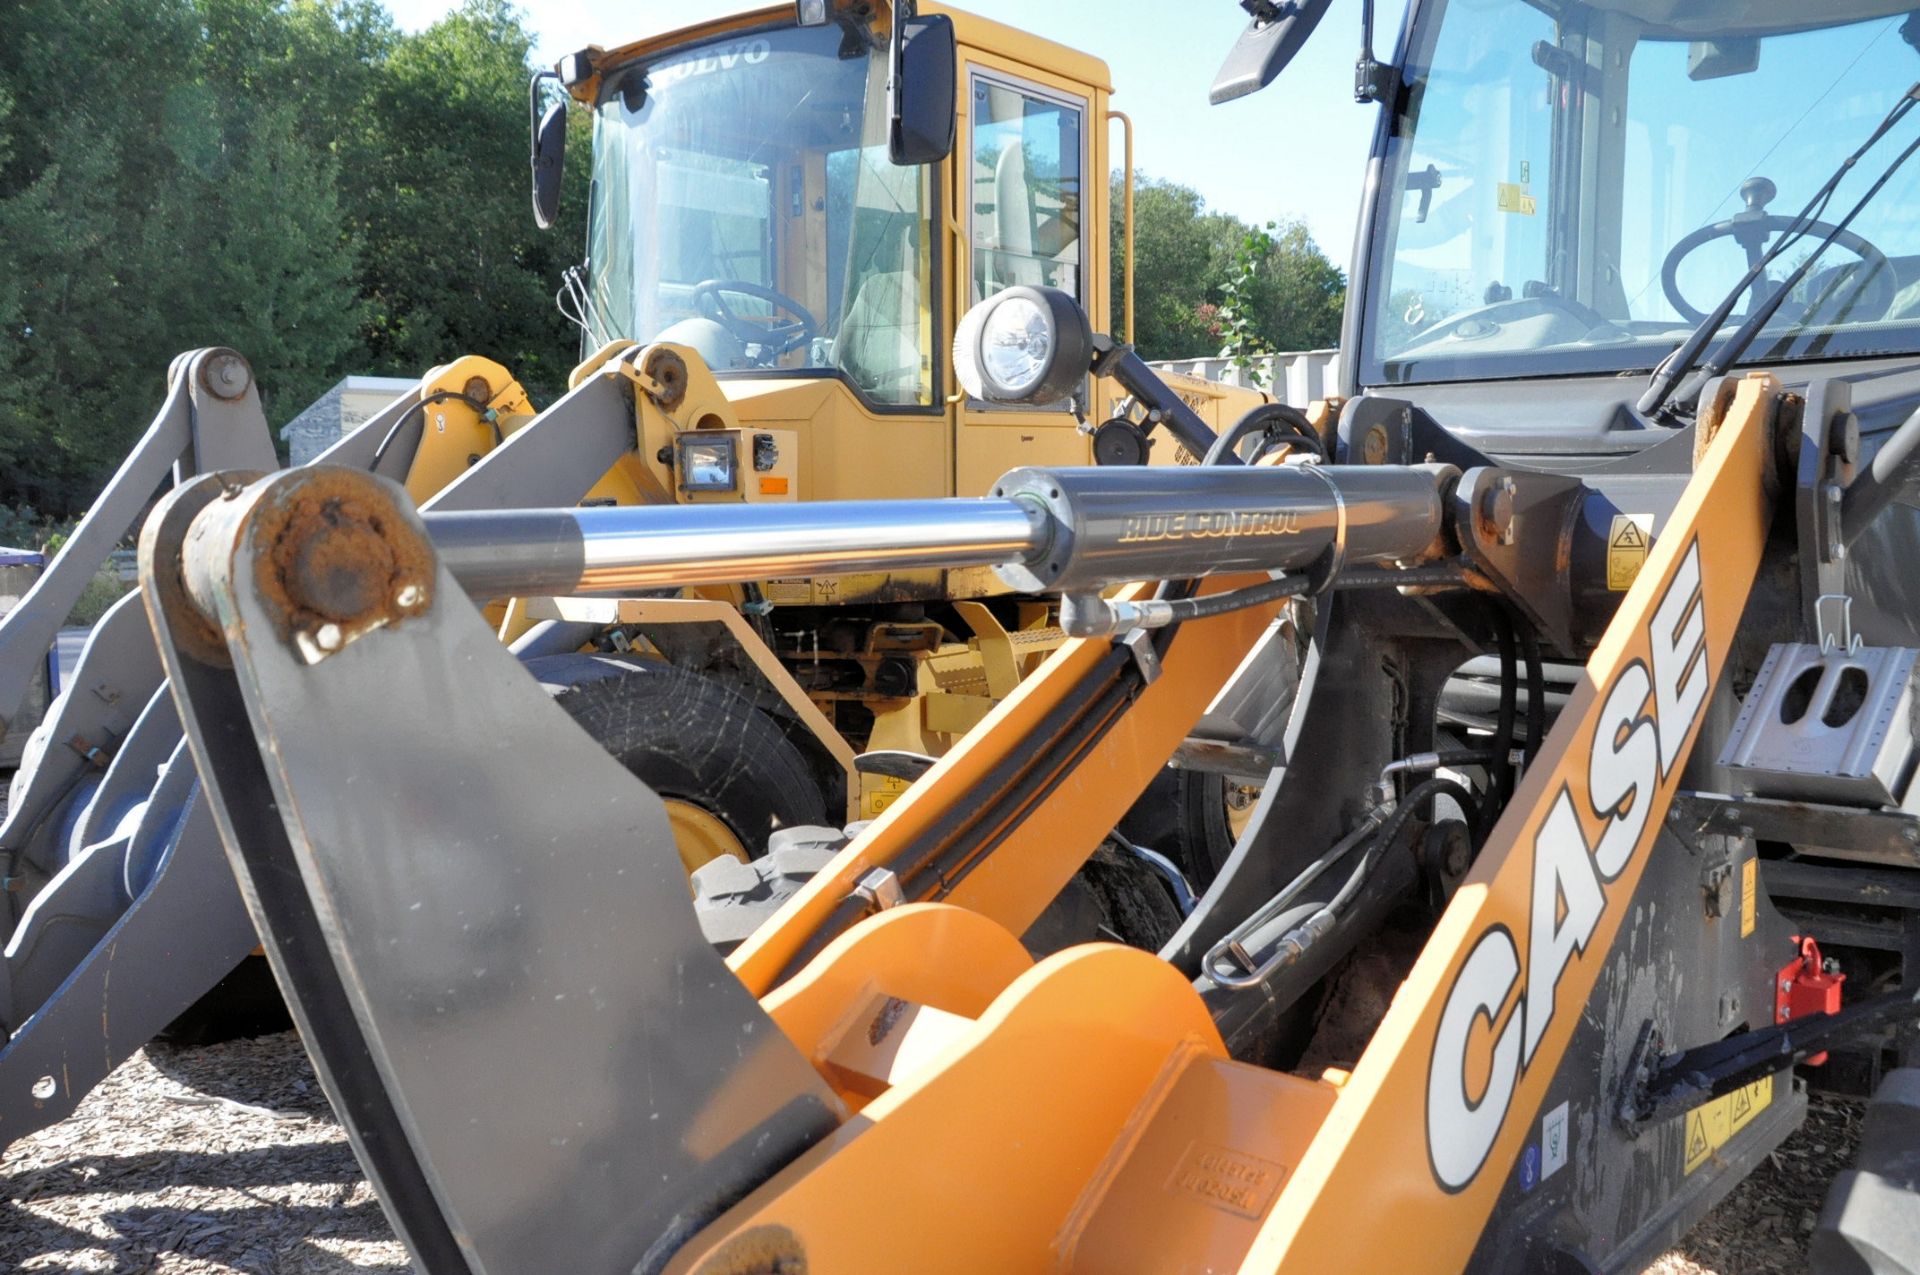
(790, 211)
(1593, 845)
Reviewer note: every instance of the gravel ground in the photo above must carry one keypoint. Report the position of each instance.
(226, 1158)
(192, 1162)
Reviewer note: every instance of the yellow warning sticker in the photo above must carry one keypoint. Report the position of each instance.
(1749, 879)
(1512, 197)
(1628, 541)
(877, 792)
(1711, 1124)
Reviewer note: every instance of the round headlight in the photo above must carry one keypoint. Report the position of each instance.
(1015, 345)
(1023, 345)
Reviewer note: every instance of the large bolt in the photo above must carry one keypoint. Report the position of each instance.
(342, 570)
(1496, 511)
(226, 375)
(1374, 447)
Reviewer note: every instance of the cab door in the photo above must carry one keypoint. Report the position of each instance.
(1024, 156)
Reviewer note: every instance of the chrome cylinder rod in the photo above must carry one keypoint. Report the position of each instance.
(1044, 531)
(529, 552)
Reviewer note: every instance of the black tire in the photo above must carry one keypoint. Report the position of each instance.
(1183, 815)
(1113, 898)
(689, 738)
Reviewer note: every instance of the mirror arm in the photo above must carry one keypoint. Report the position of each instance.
(903, 12)
(1373, 80)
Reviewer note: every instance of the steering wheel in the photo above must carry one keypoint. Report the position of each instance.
(709, 298)
(1754, 226)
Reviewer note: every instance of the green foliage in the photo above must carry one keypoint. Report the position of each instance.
(293, 178)
(101, 592)
(24, 527)
(1239, 313)
(1206, 281)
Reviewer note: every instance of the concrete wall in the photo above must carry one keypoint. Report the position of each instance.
(337, 413)
(1297, 378)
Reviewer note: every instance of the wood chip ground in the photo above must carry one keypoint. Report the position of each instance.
(226, 1158)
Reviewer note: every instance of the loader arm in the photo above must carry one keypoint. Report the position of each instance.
(106, 868)
(1191, 1141)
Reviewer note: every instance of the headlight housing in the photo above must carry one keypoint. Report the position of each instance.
(1023, 345)
(707, 461)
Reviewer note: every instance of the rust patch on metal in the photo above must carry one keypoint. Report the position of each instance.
(336, 554)
(760, 1250)
(163, 558)
(669, 372)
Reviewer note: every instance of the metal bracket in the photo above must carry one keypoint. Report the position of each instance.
(1888, 837)
(1833, 618)
(1829, 448)
(1659, 1086)
(881, 889)
(1515, 526)
(1139, 643)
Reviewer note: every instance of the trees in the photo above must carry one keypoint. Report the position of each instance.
(1282, 291)
(294, 178)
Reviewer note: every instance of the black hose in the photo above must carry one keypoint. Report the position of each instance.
(426, 401)
(1422, 793)
(1536, 691)
(1263, 418)
(1500, 782)
(1436, 574)
(1253, 595)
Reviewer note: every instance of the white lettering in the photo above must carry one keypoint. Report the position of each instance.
(1621, 775)
(1678, 636)
(1461, 1131)
(725, 58)
(1562, 873)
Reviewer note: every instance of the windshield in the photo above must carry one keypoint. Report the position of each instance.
(743, 204)
(1574, 186)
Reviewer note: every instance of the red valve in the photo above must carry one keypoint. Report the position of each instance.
(1806, 986)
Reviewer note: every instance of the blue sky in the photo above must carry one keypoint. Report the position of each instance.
(1296, 150)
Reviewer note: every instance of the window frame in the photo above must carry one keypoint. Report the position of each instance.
(977, 75)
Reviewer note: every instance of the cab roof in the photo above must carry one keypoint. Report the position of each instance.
(970, 30)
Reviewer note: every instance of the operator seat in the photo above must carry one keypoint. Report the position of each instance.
(879, 341)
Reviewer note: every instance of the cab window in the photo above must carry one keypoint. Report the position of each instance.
(1026, 208)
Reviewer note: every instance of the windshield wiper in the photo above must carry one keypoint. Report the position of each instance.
(1660, 386)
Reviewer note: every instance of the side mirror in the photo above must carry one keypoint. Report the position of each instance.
(1278, 31)
(549, 149)
(921, 66)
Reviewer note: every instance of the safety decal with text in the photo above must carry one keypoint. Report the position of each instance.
(1711, 1124)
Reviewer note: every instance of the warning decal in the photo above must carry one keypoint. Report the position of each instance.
(877, 792)
(1711, 1124)
(1628, 541)
(1749, 872)
(1512, 197)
